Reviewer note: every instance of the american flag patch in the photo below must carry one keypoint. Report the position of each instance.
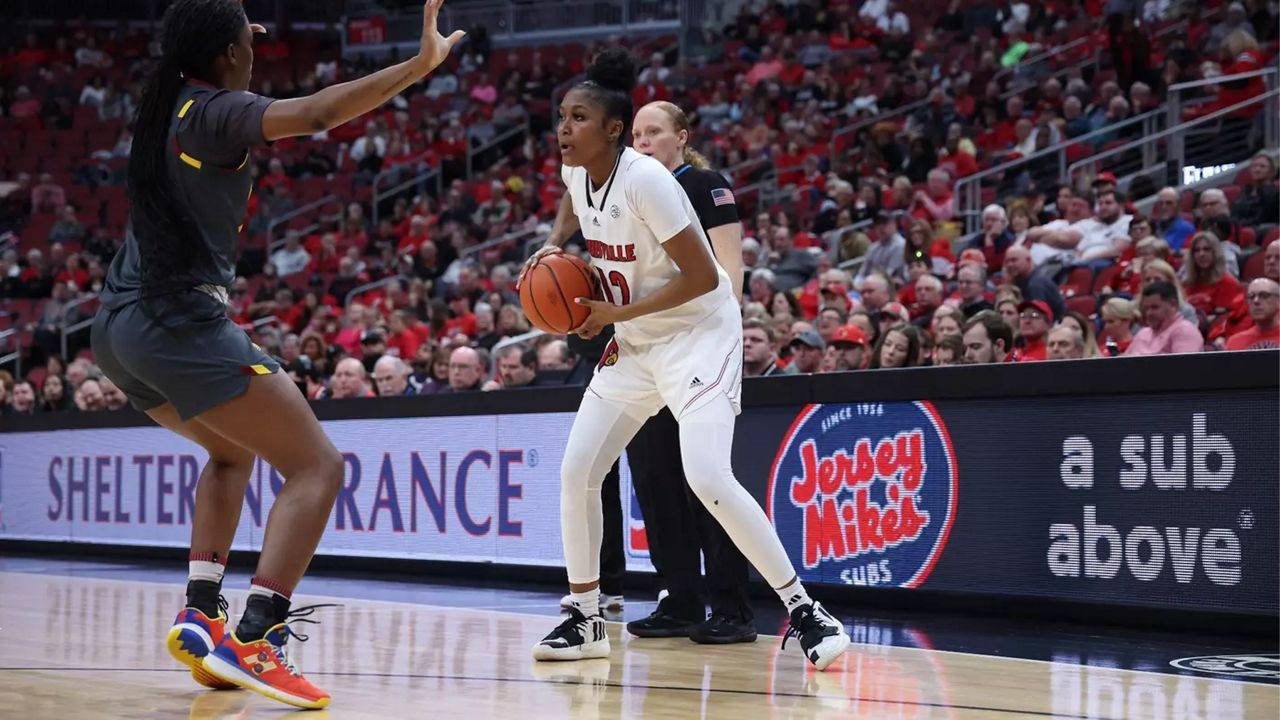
(722, 196)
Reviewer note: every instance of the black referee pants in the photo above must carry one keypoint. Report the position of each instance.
(680, 529)
(613, 558)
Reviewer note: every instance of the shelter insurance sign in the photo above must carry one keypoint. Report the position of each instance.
(480, 488)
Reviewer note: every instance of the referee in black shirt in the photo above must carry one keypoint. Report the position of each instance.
(677, 524)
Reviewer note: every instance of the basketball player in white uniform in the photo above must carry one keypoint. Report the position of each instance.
(677, 342)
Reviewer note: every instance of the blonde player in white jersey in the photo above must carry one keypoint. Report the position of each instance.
(677, 343)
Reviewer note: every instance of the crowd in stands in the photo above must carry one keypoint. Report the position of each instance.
(854, 249)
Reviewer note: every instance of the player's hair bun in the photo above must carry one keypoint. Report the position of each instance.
(614, 69)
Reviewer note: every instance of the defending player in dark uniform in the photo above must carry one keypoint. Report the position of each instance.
(163, 335)
(678, 524)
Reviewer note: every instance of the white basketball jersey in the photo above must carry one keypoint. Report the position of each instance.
(624, 223)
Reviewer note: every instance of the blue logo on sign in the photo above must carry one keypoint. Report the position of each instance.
(865, 494)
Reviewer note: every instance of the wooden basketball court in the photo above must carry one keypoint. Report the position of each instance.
(73, 647)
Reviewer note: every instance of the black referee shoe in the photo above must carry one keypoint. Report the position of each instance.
(723, 630)
(661, 625)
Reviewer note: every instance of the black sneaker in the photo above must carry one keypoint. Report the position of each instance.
(822, 637)
(723, 630)
(577, 638)
(661, 625)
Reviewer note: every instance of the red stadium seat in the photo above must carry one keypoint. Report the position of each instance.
(1086, 305)
(1254, 266)
(1104, 278)
(1248, 237)
(1079, 282)
(1272, 235)
(1232, 192)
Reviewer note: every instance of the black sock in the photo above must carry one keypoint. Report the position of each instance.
(261, 613)
(203, 596)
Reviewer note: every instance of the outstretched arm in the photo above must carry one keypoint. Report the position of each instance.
(339, 104)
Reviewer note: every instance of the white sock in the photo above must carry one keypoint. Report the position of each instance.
(266, 592)
(793, 595)
(588, 603)
(205, 570)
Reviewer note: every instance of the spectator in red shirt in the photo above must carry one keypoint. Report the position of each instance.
(1118, 318)
(1034, 320)
(996, 236)
(328, 260)
(1210, 289)
(276, 176)
(1264, 308)
(1239, 54)
(417, 233)
(461, 319)
(32, 55)
(25, 105)
(74, 273)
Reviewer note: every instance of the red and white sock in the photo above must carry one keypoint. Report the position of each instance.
(205, 566)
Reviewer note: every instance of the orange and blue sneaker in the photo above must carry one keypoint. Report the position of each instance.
(263, 666)
(193, 636)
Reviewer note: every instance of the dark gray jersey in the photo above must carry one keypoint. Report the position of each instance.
(210, 139)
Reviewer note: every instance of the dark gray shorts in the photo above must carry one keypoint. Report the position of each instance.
(182, 350)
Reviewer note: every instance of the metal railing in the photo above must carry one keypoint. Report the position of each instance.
(1064, 72)
(854, 129)
(1028, 71)
(362, 289)
(497, 142)
(274, 243)
(514, 236)
(910, 108)
(13, 337)
(516, 23)
(1049, 164)
(515, 340)
(418, 181)
(1201, 139)
(65, 330)
(1175, 105)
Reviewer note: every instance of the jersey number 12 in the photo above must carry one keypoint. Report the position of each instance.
(619, 281)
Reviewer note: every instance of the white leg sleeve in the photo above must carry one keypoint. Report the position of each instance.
(706, 444)
(600, 433)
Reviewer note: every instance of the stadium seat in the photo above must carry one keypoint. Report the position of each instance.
(1248, 237)
(1086, 305)
(1232, 192)
(1079, 282)
(1104, 278)
(1254, 266)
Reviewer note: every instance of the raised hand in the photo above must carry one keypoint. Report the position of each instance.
(435, 47)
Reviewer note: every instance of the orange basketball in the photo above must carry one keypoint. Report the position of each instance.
(549, 290)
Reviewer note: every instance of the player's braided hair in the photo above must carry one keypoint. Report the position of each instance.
(193, 33)
(680, 121)
(610, 80)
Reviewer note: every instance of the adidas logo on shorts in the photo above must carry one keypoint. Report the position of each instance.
(696, 383)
